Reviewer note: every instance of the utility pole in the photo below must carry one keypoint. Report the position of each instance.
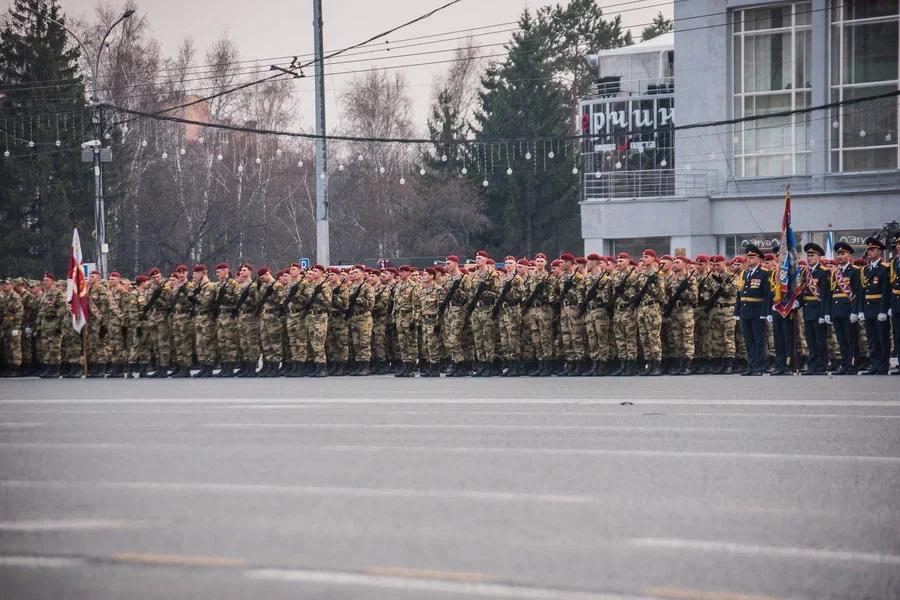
(322, 247)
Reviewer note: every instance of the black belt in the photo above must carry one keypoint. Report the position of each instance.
(457, 303)
(724, 305)
(484, 303)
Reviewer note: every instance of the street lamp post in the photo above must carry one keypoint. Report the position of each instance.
(95, 145)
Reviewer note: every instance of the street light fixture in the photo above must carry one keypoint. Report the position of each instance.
(100, 246)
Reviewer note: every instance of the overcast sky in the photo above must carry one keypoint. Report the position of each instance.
(277, 28)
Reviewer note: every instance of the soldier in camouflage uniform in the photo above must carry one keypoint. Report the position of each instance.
(457, 287)
(596, 303)
(97, 327)
(158, 296)
(115, 324)
(30, 293)
(406, 307)
(379, 322)
(529, 357)
(293, 307)
(203, 311)
(227, 293)
(337, 344)
(702, 341)
(721, 316)
(53, 317)
(247, 322)
(508, 312)
(268, 311)
(566, 297)
(649, 311)
(359, 316)
(486, 279)
(317, 318)
(624, 320)
(537, 317)
(141, 348)
(681, 299)
(182, 327)
(431, 295)
(12, 313)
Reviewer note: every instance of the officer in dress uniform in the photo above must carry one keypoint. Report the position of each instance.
(815, 300)
(843, 310)
(752, 309)
(894, 278)
(876, 289)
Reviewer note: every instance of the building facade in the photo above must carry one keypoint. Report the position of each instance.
(826, 70)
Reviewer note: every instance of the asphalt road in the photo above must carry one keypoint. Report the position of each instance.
(696, 488)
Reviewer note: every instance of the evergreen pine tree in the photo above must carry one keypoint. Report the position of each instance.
(44, 187)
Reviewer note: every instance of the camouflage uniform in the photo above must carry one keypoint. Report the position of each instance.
(97, 327)
(297, 296)
(721, 316)
(510, 318)
(141, 341)
(53, 317)
(597, 317)
(360, 321)
(337, 339)
(453, 325)
(248, 325)
(406, 306)
(13, 312)
(317, 323)
(624, 317)
(568, 294)
(649, 314)
(702, 340)
(680, 323)
(160, 325)
(270, 322)
(481, 321)
(227, 293)
(379, 322)
(539, 318)
(31, 303)
(182, 324)
(205, 323)
(115, 329)
(430, 298)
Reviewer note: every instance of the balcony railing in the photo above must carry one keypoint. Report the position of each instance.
(610, 87)
(657, 183)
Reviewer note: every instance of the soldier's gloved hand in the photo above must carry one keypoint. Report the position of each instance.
(862, 316)
(736, 318)
(412, 326)
(854, 318)
(28, 331)
(796, 304)
(882, 317)
(768, 318)
(828, 319)
(821, 320)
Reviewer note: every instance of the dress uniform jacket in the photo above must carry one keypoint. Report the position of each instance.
(815, 298)
(754, 294)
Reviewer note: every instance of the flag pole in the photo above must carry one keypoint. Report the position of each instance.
(84, 360)
(795, 326)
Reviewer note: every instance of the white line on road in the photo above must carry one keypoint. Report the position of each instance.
(634, 414)
(306, 490)
(68, 445)
(487, 590)
(39, 561)
(63, 525)
(457, 426)
(766, 551)
(12, 425)
(606, 452)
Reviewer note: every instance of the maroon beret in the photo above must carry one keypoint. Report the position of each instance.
(222, 266)
(540, 255)
(262, 271)
(581, 260)
(199, 268)
(594, 256)
(115, 274)
(556, 263)
(153, 271)
(483, 253)
(718, 258)
(181, 269)
(567, 256)
(141, 279)
(649, 252)
(318, 267)
(405, 268)
(49, 275)
(622, 255)
(702, 258)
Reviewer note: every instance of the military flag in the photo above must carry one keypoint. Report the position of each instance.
(76, 288)
(786, 289)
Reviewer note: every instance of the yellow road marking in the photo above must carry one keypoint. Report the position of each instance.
(427, 574)
(687, 594)
(177, 560)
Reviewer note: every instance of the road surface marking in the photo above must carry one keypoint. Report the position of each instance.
(456, 426)
(633, 415)
(454, 401)
(299, 490)
(605, 452)
(688, 594)
(14, 425)
(64, 525)
(39, 561)
(177, 560)
(428, 574)
(462, 588)
(767, 551)
(71, 445)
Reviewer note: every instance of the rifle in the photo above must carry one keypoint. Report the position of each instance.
(470, 307)
(446, 301)
(291, 293)
(153, 298)
(538, 289)
(591, 294)
(498, 304)
(620, 289)
(312, 298)
(636, 301)
(352, 303)
(265, 297)
(243, 298)
(181, 289)
(193, 299)
(557, 305)
(670, 305)
(718, 293)
(219, 295)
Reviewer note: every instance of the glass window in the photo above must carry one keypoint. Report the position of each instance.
(772, 47)
(865, 62)
(634, 246)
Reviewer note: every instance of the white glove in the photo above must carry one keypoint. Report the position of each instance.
(882, 317)
(862, 316)
(768, 318)
(14, 333)
(821, 321)
(796, 304)
(854, 318)
(736, 318)
(890, 312)
(827, 319)
(28, 331)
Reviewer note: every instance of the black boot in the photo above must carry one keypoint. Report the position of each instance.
(363, 369)
(204, 372)
(52, 372)
(655, 369)
(228, 369)
(320, 371)
(75, 371)
(633, 368)
(685, 367)
(458, 370)
(95, 371)
(407, 370)
(619, 370)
